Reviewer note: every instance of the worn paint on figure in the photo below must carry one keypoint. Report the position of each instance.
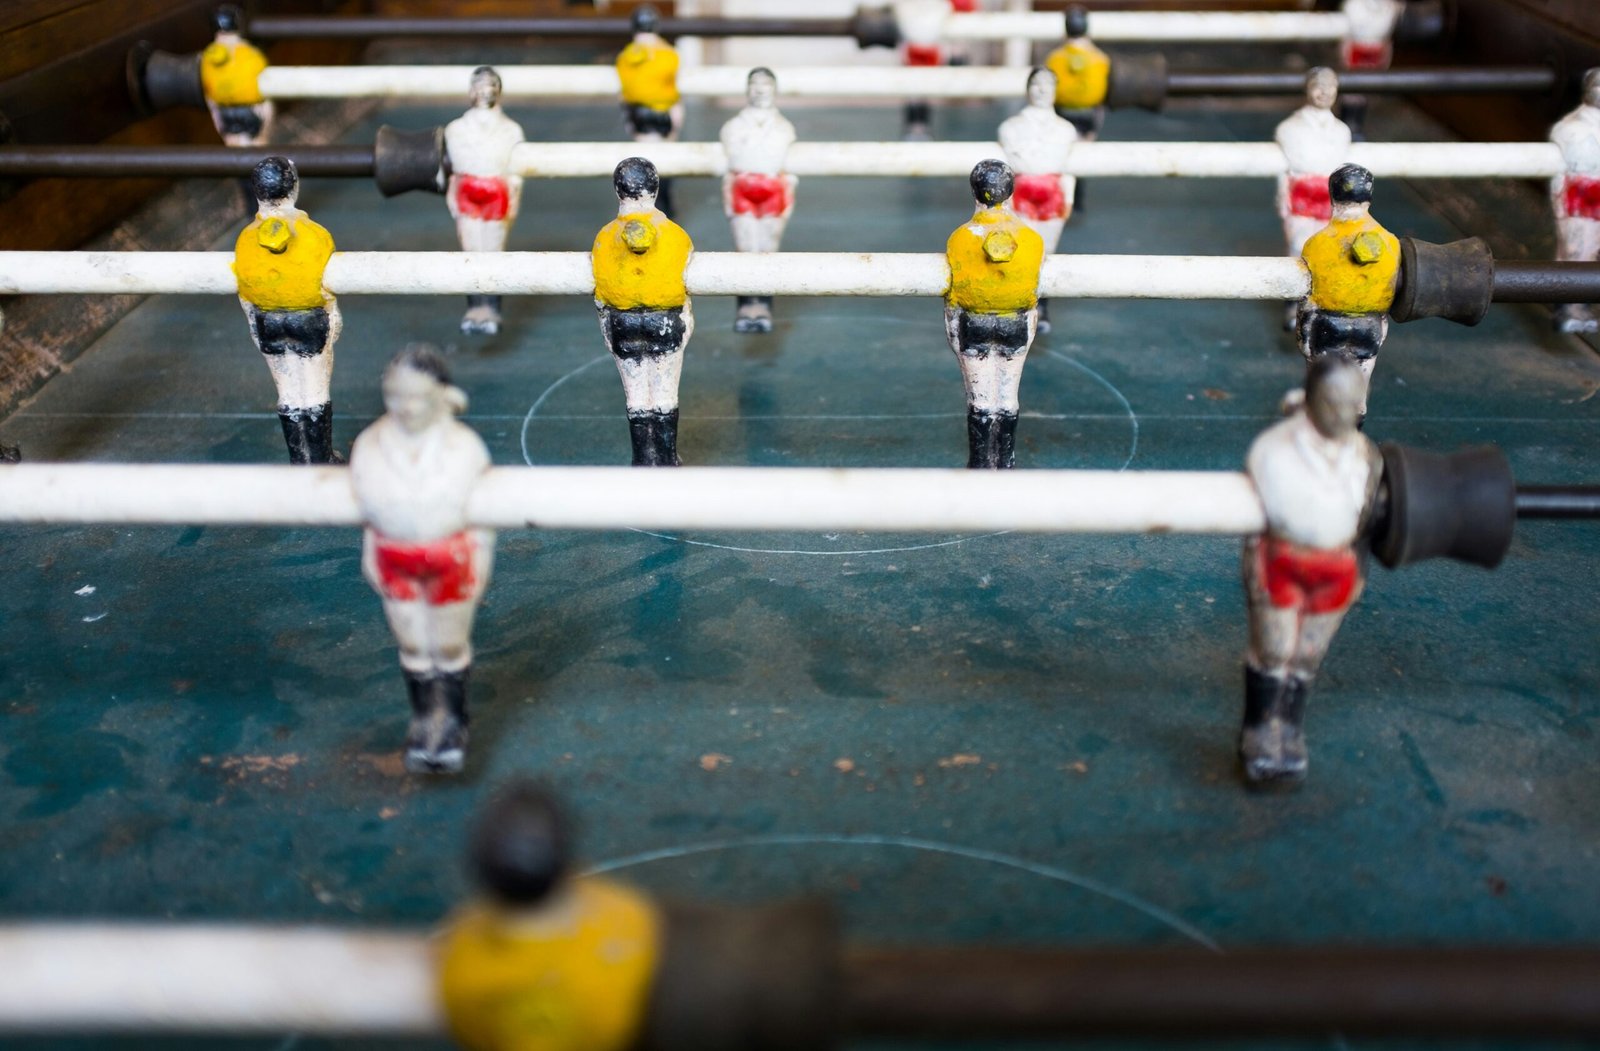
(1355, 265)
(230, 75)
(639, 260)
(279, 263)
(994, 263)
(1082, 72)
(572, 975)
(649, 74)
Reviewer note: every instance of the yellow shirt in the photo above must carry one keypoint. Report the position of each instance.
(994, 263)
(649, 74)
(1354, 264)
(1082, 72)
(577, 980)
(639, 259)
(230, 75)
(279, 263)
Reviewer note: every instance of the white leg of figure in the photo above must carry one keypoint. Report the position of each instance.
(662, 372)
(1008, 371)
(993, 381)
(1577, 240)
(635, 383)
(1049, 231)
(409, 623)
(1274, 631)
(1316, 635)
(482, 235)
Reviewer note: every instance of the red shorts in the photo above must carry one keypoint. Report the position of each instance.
(481, 196)
(1366, 56)
(1580, 197)
(1309, 579)
(438, 572)
(924, 55)
(1039, 197)
(1308, 197)
(964, 6)
(761, 196)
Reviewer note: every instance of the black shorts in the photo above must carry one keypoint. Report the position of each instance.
(981, 335)
(642, 120)
(1087, 121)
(301, 332)
(642, 332)
(1355, 337)
(239, 120)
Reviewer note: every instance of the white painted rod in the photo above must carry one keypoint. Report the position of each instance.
(1107, 26)
(1434, 160)
(77, 978)
(710, 273)
(450, 82)
(693, 498)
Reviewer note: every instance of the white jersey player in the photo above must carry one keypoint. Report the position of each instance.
(757, 193)
(483, 193)
(1575, 195)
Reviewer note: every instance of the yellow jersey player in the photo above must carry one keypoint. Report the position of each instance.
(992, 312)
(543, 961)
(230, 77)
(1083, 73)
(1355, 268)
(646, 318)
(279, 261)
(648, 71)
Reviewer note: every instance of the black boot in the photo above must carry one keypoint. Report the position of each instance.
(665, 427)
(664, 198)
(437, 741)
(1044, 316)
(294, 434)
(319, 434)
(1005, 440)
(1293, 717)
(980, 440)
(1262, 744)
(918, 117)
(754, 314)
(10, 454)
(642, 430)
(482, 316)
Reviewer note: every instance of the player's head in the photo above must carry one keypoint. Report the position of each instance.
(992, 182)
(645, 19)
(1077, 21)
(1591, 88)
(275, 181)
(484, 88)
(1335, 390)
(1041, 87)
(1350, 186)
(227, 18)
(521, 845)
(1322, 87)
(417, 392)
(636, 179)
(761, 88)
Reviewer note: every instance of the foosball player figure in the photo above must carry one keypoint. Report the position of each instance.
(1575, 196)
(757, 193)
(1083, 74)
(412, 472)
(651, 106)
(1368, 45)
(1037, 142)
(646, 318)
(483, 192)
(230, 77)
(991, 312)
(1317, 476)
(1314, 142)
(1355, 268)
(921, 24)
(294, 320)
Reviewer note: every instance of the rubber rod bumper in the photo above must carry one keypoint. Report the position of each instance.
(71, 162)
(1443, 80)
(1558, 501)
(1461, 506)
(989, 994)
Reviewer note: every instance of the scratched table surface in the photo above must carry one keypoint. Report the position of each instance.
(1000, 738)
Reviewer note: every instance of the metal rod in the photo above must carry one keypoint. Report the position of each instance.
(1558, 501)
(79, 162)
(1464, 80)
(1521, 281)
(291, 27)
(1015, 993)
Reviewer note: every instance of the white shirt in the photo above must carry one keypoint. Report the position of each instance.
(921, 22)
(480, 141)
(415, 487)
(1036, 141)
(1314, 141)
(757, 140)
(1372, 21)
(1578, 135)
(1314, 490)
